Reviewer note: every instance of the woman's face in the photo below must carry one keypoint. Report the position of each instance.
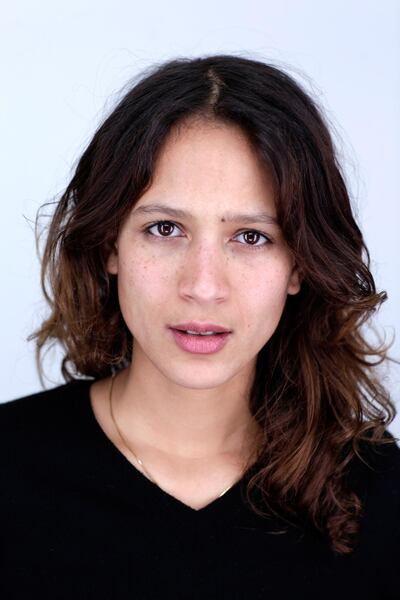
(204, 266)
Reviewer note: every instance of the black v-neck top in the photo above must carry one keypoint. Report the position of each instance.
(79, 521)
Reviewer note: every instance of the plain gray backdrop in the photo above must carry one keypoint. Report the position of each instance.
(63, 65)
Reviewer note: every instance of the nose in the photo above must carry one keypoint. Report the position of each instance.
(204, 274)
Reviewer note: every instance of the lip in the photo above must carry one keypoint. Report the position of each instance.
(197, 344)
(200, 327)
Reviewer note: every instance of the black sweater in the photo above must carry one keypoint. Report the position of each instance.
(79, 521)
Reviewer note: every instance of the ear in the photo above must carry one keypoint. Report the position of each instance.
(294, 283)
(112, 261)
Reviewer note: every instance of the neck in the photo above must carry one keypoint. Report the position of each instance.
(185, 423)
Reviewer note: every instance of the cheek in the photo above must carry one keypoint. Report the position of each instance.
(142, 282)
(263, 295)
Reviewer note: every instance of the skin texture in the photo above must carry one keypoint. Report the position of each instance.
(186, 415)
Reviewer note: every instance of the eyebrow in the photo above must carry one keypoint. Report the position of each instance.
(261, 217)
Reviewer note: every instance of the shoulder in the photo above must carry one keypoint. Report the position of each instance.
(43, 443)
(375, 477)
(375, 471)
(37, 411)
(377, 461)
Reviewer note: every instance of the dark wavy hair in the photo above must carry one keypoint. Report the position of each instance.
(315, 392)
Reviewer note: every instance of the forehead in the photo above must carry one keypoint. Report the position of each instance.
(210, 166)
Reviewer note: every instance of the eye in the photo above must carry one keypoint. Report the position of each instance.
(254, 233)
(165, 228)
(159, 225)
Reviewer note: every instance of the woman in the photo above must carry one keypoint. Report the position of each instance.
(221, 432)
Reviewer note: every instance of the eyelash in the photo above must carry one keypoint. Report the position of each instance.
(146, 231)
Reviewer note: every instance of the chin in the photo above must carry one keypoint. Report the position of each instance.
(200, 378)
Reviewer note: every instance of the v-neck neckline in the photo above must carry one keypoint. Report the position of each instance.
(222, 507)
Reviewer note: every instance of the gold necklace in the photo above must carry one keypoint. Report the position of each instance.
(130, 449)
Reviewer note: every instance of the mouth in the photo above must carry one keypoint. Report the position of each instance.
(200, 343)
(200, 334)
(196, 327)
